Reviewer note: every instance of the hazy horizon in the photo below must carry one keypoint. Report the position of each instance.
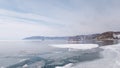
(24, 18)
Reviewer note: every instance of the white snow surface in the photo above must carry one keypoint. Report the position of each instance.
(66, 66)
(76, 46)
(110, 59)
(116, 36)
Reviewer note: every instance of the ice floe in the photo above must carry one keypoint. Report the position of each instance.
(76, 46)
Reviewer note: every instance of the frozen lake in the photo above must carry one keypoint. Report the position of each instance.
(39, 54)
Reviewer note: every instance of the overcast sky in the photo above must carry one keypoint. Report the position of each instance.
(24, 18)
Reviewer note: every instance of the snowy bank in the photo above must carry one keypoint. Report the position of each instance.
(77, 46)
(111, 59)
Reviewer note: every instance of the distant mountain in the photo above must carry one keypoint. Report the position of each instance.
(108, 36)
(101, 36)
(45, 38)
(83, 37)
(69, 38)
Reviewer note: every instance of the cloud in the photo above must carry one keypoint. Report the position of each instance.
(20, 30)
(58, 18)
(19, 25)
(27, 16)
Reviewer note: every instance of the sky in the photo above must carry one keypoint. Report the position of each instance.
(24, 18)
